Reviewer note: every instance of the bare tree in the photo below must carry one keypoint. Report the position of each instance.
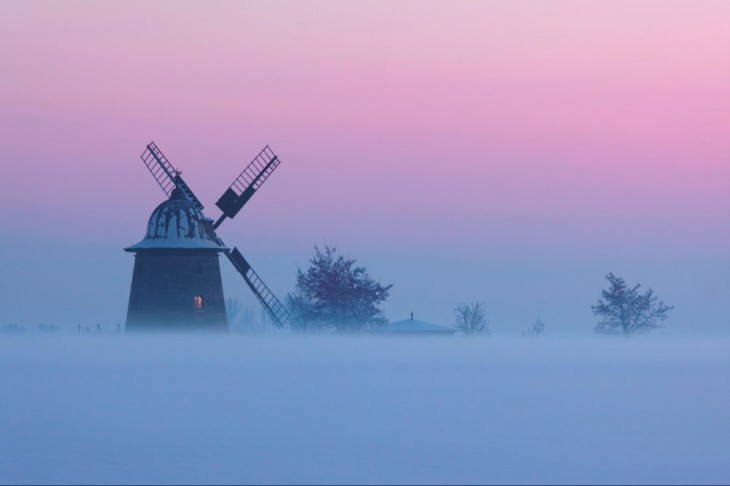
(11, 328)
(241, 318)
(471, 318)
(248, 319)
(536, 329)
(263, 318)
(43, 327)
(233, 310)
(624, 309)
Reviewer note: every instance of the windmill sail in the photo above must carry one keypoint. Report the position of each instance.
(246, 184)
(230, 203)
(277, 312)
(166, 175)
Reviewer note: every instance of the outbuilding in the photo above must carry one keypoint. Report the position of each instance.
(415, 327)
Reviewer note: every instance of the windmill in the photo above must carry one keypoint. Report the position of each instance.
(176, 282)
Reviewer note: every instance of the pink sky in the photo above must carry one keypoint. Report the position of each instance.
(524, 130)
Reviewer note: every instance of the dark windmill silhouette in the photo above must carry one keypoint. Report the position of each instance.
(176, 283)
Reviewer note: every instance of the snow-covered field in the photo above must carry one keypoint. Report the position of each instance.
(242, 409)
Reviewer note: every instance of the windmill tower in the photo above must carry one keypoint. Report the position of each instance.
(176, 282)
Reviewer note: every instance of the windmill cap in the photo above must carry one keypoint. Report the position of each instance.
(178, 224)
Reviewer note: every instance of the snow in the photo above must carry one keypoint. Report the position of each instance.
(292, 409)
(175, 242)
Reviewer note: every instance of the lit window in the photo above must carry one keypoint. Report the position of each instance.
(198, 301)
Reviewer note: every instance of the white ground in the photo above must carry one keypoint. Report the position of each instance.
(367, 410)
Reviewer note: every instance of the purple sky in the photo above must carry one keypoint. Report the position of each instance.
(513, 152)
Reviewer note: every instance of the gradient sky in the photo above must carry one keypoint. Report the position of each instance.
(512, 152)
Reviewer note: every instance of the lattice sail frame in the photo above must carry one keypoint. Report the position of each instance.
(166, 175)
(279, 314)
(247, 183)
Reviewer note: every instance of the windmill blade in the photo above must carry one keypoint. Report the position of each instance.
(166, 175)
(279, 315)
(246, 184)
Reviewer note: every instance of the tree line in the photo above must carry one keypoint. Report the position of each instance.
(334, 293)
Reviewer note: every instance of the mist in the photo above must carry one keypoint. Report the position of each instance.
(326, 409)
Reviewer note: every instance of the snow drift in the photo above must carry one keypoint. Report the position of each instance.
(177, 409)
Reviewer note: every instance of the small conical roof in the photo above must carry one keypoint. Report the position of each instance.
(415, 326)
